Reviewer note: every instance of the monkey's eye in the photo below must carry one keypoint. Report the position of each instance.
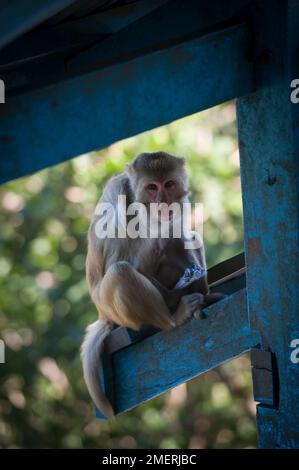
(169, 184)
(152, 187)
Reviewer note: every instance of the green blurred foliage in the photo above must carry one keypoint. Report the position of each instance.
(45, 306)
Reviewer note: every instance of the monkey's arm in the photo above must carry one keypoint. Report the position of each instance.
(195, 278)
(171, 297)
(210, 298)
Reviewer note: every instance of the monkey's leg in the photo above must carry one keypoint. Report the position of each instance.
(128, 298)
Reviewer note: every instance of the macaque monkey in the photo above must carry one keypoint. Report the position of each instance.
(141, 281)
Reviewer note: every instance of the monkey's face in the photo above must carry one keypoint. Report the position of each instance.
(159, 191)
(158, 178)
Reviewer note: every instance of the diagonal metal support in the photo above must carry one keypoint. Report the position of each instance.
(148, 368)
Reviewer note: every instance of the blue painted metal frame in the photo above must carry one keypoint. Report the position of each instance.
(269, 149)
(133, 81)
(93, 110)
(18, 17)
(70, 40)
(188, 19)
(147, 368)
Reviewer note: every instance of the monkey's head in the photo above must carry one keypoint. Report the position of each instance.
(158, 177)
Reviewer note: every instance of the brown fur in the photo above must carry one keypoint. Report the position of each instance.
(131, 280)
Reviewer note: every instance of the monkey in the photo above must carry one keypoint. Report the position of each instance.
(141, 281)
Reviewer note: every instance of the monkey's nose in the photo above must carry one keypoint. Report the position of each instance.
(162, 196)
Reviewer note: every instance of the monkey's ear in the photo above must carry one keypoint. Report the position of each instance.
(130, 168)
(181, 160)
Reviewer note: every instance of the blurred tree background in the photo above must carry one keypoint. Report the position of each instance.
(45, 306)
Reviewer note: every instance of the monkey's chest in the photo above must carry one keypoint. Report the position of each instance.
(160, 264)
(153, 255)
(158, 251)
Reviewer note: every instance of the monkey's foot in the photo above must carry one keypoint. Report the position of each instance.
(189, 305)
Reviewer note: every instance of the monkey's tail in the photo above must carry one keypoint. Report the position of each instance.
(91, 352)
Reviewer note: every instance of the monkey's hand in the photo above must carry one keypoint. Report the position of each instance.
(209, 299)
(190, 304)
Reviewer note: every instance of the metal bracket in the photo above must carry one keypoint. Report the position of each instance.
(264, 377)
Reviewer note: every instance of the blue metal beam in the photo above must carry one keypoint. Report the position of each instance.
(231, 281)
(69, 38)
(19, 16)
(55, 123)
(147, 368)
(269, 143)
(173, 23)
